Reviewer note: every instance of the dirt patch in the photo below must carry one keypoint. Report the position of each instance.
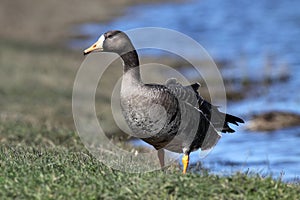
(274, 120)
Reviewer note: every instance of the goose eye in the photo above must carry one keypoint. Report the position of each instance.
(109, 36)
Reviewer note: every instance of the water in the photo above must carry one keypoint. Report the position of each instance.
(260, 38)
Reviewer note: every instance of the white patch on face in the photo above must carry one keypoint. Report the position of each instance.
(100, 41)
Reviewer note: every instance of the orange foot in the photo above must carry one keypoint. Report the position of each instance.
(185, 163)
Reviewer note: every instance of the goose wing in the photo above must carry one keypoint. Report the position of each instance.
(190, 94)
(209, 114)
(186, 94)
(207, 135)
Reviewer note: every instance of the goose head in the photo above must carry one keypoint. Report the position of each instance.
(112, 41)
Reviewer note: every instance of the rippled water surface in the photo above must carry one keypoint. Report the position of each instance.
(260, 38)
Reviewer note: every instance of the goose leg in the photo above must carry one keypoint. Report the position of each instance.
(161, 157)
(185, 162)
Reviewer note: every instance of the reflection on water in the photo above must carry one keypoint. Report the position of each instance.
(247, 31)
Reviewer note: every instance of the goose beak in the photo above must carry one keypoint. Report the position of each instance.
(98, 46)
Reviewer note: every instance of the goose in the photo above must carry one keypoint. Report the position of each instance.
(169, 117)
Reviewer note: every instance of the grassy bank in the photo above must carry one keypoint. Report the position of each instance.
(50, 164)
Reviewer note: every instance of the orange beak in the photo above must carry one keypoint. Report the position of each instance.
(98, 46)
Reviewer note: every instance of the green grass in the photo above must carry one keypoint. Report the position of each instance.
(59, 173)
(43, 163)
(41, 156)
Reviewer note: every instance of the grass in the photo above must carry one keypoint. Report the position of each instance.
(33, 169)
(51, 163)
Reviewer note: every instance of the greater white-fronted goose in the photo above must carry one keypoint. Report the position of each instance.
(170, 116)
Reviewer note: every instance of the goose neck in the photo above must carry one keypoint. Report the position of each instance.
(131, 68)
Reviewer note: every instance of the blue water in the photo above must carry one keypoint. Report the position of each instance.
(259, 38)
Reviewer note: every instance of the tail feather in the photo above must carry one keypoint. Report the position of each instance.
(230, 119)
(219, 117)
(233, 119)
